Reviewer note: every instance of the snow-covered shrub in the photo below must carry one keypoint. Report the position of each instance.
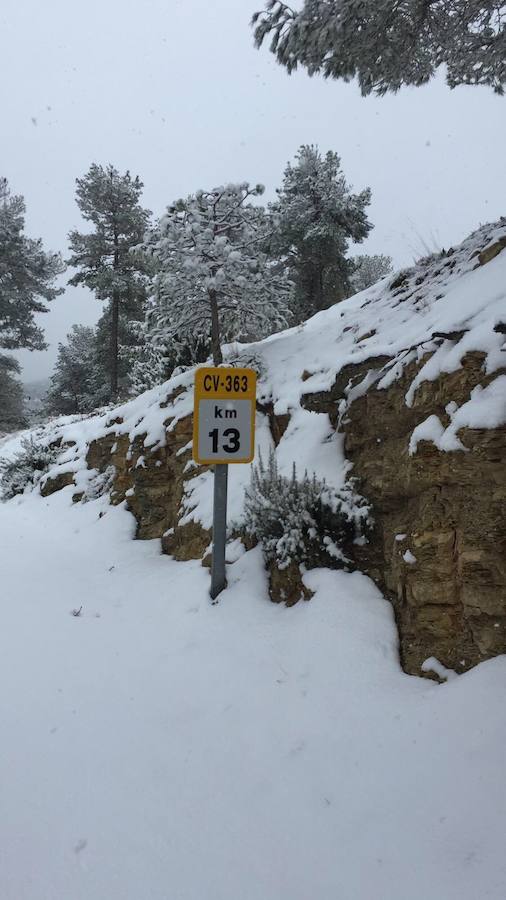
(99, 484)
(26, 468)
(302, 521)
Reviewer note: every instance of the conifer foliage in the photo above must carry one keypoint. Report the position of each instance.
(387, 44)
(110, 202)
(368, 270)
(27, 283)
(12, 414)
(215, 280)
(316, 216)
(27, 277)
(26, 468)
(79, 380)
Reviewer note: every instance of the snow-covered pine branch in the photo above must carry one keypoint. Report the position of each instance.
(386, 44)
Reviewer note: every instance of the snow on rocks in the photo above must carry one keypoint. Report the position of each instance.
(486, 408)
(409, 558)
(446, 306)
(433, 665)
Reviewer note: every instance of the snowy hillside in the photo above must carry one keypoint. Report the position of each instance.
(155, 746)
(440, 310)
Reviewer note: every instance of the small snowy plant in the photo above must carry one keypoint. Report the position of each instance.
(26, 468)
(303, 521)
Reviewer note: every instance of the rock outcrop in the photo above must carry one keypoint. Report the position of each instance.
(438, 549)
(152, 482)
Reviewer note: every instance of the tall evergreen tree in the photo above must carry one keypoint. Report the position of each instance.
(12, 412)
(27, 284)
(104, 260)
(79, 380)
(27, 277)
(215, 280)
(387, 44)
(316, 216)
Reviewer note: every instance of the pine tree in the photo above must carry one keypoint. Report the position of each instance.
(368, 270)
(315, 217)
(27, 276)
(149, 368)
(12, 412)
(215, 280)
(104, 257)
(79, 380)
(387, 44)
(27, 284)
(154, 361)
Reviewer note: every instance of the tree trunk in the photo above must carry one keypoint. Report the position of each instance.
(321, 301)
(215, 329)
(115, 324)
(114, 344)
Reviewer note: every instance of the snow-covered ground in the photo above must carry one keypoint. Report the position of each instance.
(160, 748)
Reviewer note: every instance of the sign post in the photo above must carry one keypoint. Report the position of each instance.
(223, 433)
(218, 574)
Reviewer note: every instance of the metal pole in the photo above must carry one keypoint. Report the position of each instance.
(218, 576)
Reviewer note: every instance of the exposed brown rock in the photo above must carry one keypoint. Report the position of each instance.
(366, 336)
(327, 401)
(451, 602)
(51, 485)
(150, 480)
(189, 541)
(278, 423)
(286, 585)
(492, 251)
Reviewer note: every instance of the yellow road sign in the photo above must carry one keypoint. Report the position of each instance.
(224, 415)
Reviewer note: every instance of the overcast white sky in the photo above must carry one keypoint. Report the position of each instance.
(175, 91)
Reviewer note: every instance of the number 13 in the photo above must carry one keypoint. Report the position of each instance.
(233, 444)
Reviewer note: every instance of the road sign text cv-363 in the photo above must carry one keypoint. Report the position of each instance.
(224, 415)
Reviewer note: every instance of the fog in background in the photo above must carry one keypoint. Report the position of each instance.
(175, 91)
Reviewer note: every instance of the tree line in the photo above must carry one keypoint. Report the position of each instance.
(218, 266)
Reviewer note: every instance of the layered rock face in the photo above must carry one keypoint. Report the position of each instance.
(152, 482)
(439, 545)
